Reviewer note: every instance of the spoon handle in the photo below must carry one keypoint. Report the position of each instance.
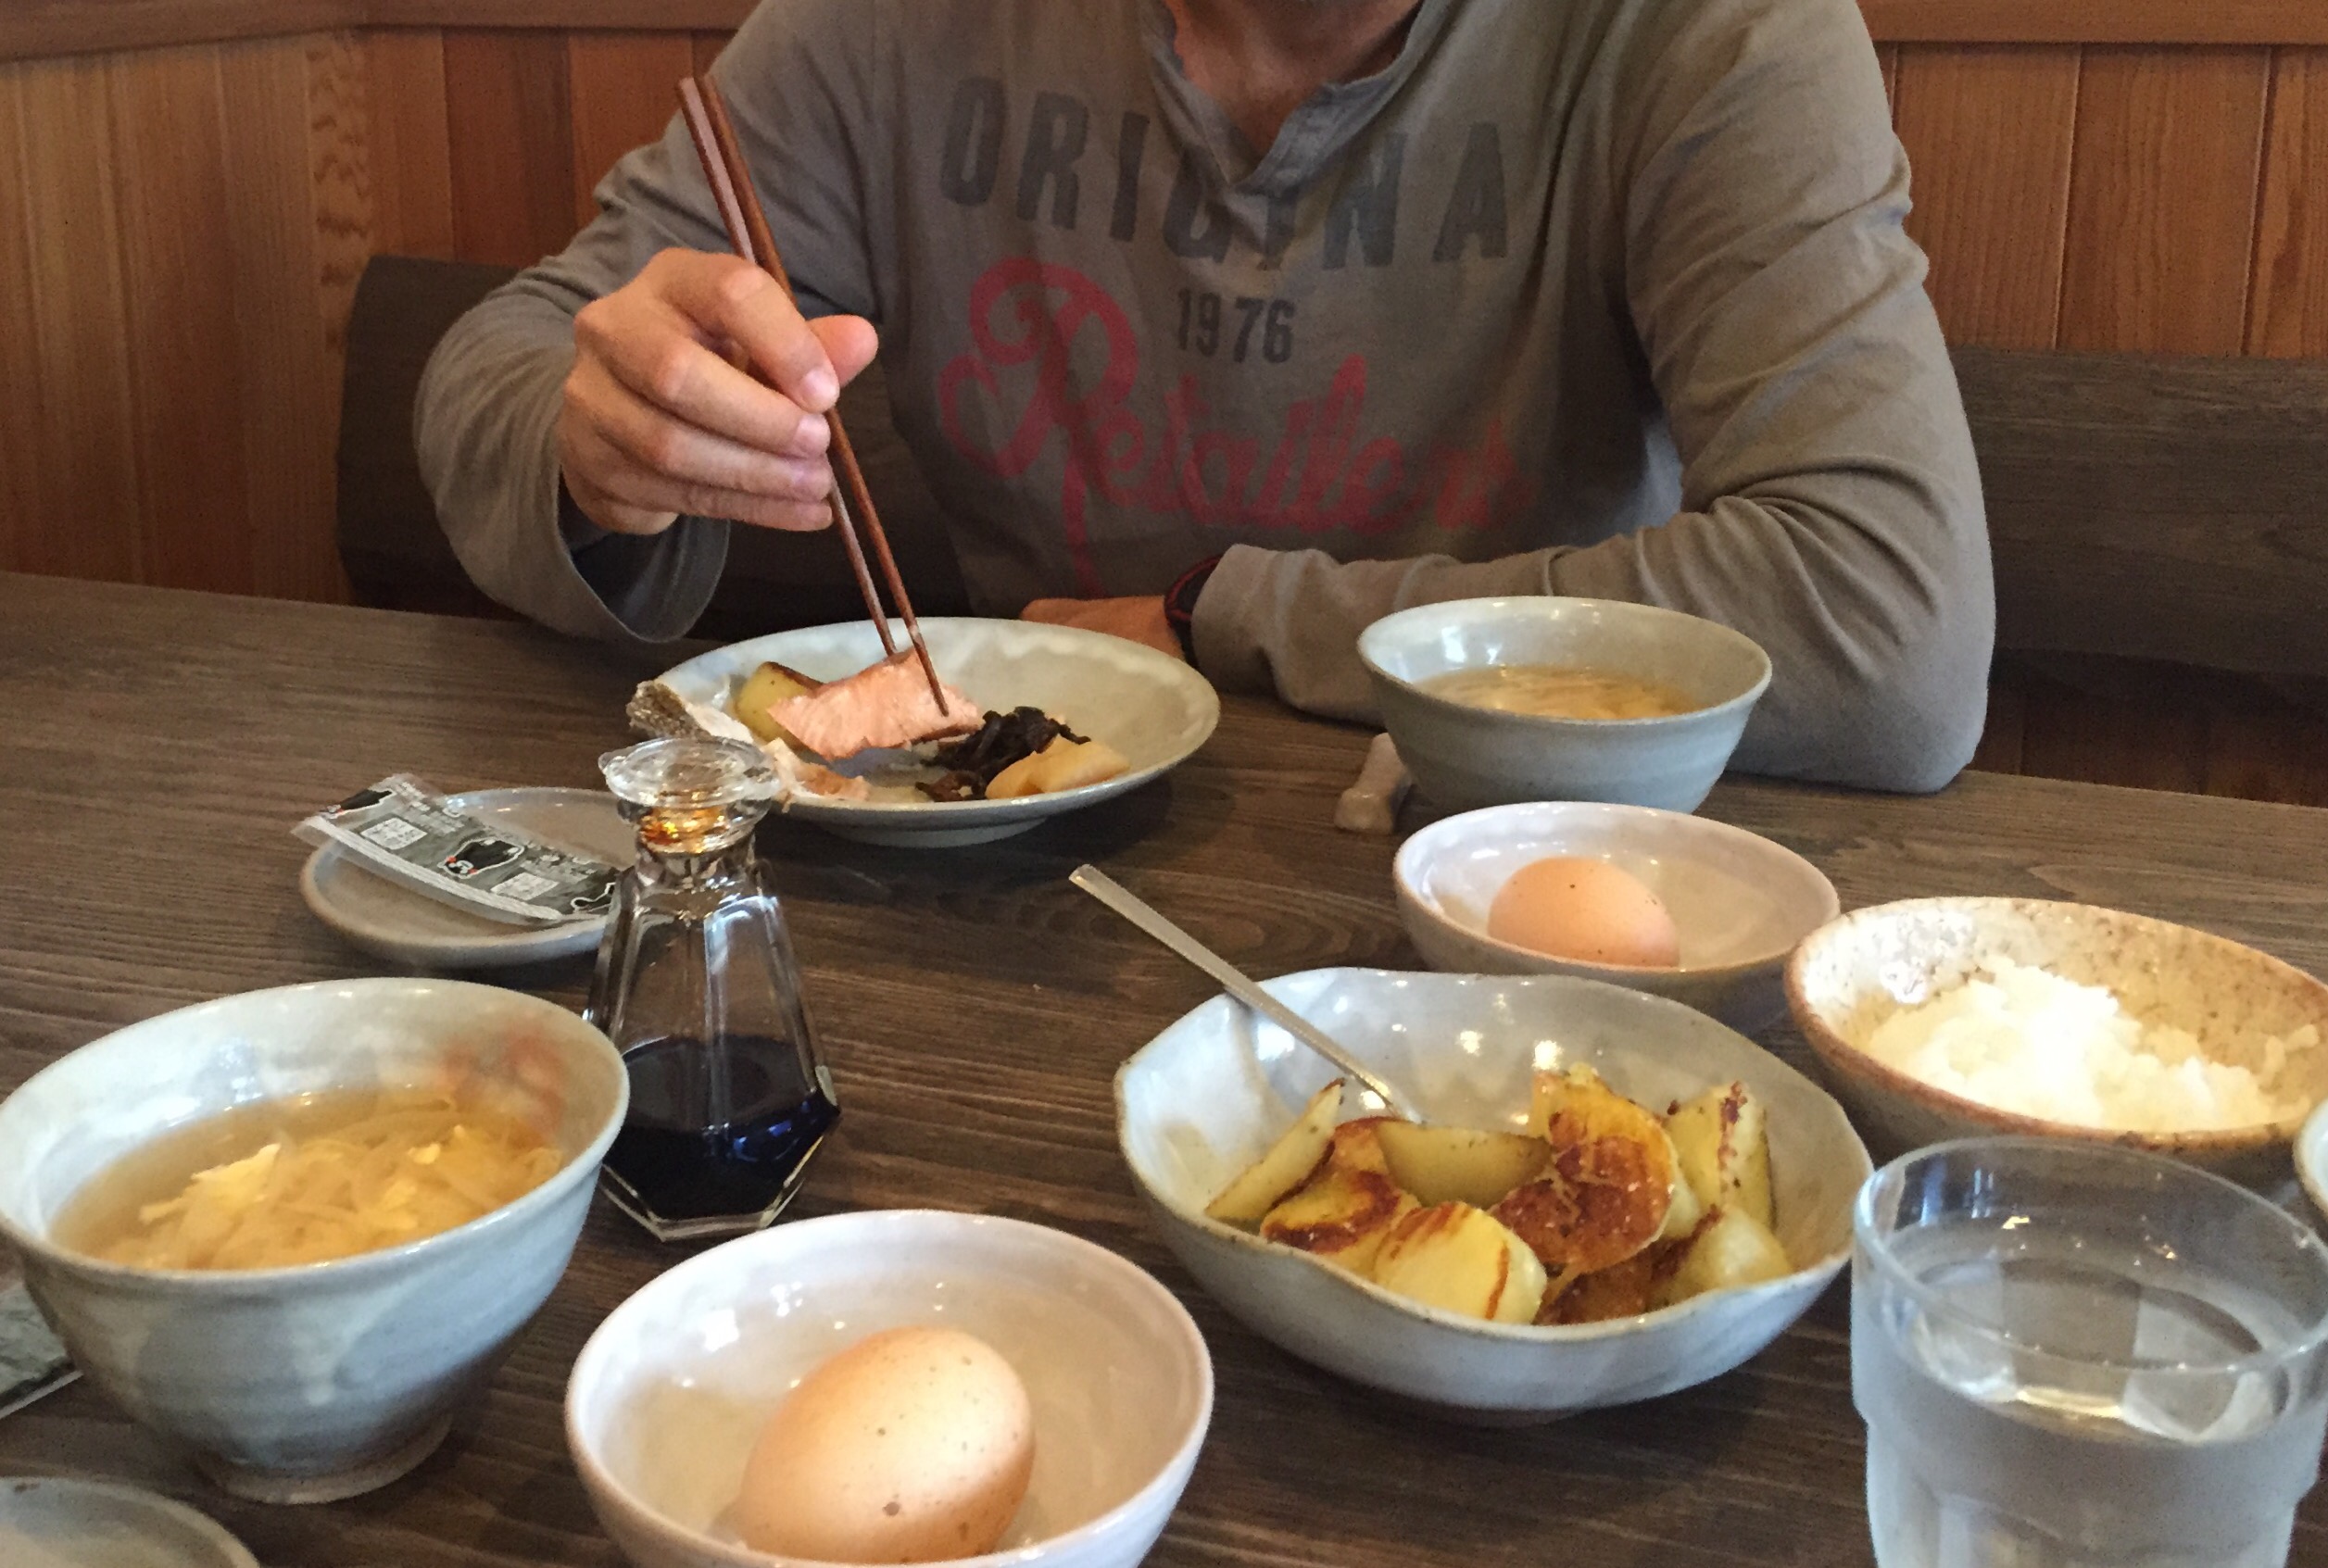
(1125, 902)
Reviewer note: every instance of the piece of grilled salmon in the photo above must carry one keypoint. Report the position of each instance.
(886, 704)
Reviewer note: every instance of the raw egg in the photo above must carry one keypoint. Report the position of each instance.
(1585, 911)
(912, 1445)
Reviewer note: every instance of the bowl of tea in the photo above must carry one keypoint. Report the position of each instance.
(290, 1231)
(1497, 701)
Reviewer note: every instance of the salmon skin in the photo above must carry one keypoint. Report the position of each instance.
(886, 704)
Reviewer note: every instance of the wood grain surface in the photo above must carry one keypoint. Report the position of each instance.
(2097, 21)
(1989, 132)
(2287, 313)
(624, 87)
(34, 27)
(973, 1007)
(510, 126)
(2162, 206)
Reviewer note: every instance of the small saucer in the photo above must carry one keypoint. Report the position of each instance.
(49, 1523)
(407, 927)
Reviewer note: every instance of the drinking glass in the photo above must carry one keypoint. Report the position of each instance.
(697, 988)
(2074, 1356)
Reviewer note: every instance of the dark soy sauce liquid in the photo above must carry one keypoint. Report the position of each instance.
(717, 1131)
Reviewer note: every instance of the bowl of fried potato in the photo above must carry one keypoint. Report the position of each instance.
(1607, 1197)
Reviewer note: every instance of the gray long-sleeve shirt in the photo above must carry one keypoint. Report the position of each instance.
(1601, 298)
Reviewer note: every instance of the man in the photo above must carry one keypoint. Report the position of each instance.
(1233, 325)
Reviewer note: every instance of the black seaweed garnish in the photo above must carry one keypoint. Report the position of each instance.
(972, 762)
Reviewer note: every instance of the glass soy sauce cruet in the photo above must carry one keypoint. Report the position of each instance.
(697, 988)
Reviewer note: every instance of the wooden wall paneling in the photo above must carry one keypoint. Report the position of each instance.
(278, 309)
(1887, 56)
(339, 161)
(2287, 312)
(1989, 134)
(2162, 200)
(408, 150)
(510, 132)
(623, 87)
(178, 206)
(707, 48)
(74, 410)
(2095, 21)
(21, 514)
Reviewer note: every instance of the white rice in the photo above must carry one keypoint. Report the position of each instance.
(2024, 1039)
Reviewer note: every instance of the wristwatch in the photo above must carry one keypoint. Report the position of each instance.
(1179, 604)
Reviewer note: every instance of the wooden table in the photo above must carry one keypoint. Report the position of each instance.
(156, 746)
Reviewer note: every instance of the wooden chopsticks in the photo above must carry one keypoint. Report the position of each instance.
(748, 234)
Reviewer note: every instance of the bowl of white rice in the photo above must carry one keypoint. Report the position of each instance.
(1947, 1018)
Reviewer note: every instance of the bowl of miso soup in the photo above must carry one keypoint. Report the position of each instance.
(292, 1232)
(1497, 701)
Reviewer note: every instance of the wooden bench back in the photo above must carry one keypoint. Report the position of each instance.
(2157, 509)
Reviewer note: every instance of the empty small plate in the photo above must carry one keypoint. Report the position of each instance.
(407, 927)
(47, 1523)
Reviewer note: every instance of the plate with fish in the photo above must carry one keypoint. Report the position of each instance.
(1036, 721)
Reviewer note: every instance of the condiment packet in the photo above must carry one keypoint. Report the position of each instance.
(33, 1360)
(412, 835)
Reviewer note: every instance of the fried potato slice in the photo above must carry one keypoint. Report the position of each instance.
(1461, 1164)
(1064, 764)
(1462, 1259)
(1730, 1248)
(762, 689)
(1721, 1139)
(1608, 1188)
(1621, 1290)
(1346, 1211)
(1289, 1163)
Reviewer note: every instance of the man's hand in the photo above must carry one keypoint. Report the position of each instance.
(1142, 619)
(659, 421)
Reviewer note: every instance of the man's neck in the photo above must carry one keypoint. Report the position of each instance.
(1260, 59)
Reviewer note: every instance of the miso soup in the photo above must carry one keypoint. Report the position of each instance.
(1558, 691)
(306, 1180)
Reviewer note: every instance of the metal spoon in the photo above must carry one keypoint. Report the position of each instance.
(1116, 897)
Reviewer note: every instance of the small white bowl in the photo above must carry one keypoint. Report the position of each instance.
(1201, 1101)
(1464, 756)
(1738, 901)
(669, 1395)
(314, 1382)
(1848, 977)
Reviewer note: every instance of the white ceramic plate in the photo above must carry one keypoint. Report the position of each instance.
(405, 927)
(1738, 902)
(60, 1524)
(1201, 1100)
(1149, 707)
(668, 1397)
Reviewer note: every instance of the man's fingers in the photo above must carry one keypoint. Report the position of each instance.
(665, 363)
(626, 483)
(728, 297)
(849, 342)
(653, 439)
